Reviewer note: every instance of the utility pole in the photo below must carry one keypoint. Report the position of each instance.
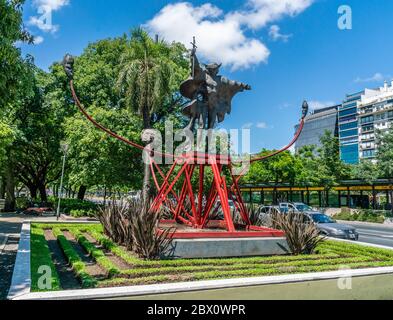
(64, 148)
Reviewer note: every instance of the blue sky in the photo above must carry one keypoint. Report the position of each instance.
(286, 53)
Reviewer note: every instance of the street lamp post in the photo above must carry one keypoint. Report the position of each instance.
(64, 148)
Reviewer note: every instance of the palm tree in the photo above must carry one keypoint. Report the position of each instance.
(145, 80)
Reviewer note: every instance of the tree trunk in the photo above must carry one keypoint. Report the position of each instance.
(147, 175)
(82, 192)
(9, 190)
(33, 191)
(43, 195)
(104, 196)
(2, 188)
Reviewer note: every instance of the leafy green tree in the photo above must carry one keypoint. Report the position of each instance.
(365, 170)
(385, 153)
(7, 136)
(12, 85)
(96, 159)
(36, 149)
(329, 154)
(310, 172)
(150, 74)
(11, 30)
(279, 169)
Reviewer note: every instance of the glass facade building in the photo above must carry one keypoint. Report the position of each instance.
(315, 126)
(348, 128)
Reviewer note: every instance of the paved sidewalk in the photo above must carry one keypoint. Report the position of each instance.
(10, 226)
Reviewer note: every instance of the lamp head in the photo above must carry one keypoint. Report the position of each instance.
(68, 65)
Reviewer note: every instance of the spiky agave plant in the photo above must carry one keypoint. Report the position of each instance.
(148, 242)
(302, 235)
(114, 218)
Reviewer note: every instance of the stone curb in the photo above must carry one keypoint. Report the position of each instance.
(21, 277)
(134, 291)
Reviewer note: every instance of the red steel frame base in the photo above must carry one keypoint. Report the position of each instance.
(196, 219)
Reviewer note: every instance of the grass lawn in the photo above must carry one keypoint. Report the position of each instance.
(118, 267)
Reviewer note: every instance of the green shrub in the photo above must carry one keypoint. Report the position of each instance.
(361, 215)
(68, 205)
(22, 203)
(78, 213)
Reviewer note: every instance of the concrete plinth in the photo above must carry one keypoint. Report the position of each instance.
(231, 247)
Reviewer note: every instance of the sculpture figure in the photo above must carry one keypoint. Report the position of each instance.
(210, 93)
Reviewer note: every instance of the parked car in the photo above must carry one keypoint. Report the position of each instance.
(38, 211)
(295, 206)
(326, 225)
(265, 212)
(330, 228)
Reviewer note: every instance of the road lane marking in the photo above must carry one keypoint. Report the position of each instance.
(376, 235)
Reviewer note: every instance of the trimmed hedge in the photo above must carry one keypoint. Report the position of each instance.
(73, 258)
(41, 256)
(361, 215)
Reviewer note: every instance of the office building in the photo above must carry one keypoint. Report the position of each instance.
(316, 124)
(375, 111)
(348, 128)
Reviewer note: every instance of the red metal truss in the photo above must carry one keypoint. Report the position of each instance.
(191, 207)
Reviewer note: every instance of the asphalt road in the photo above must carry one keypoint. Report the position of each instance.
(376, 234)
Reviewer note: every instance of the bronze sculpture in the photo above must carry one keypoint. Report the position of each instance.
(210, 94)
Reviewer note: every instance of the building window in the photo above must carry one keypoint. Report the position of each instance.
(348, 112)
(367, 119)
(348, 119)
(350, 153)
(351, 125)
(367, 128)
(348, 133)
(368, 153)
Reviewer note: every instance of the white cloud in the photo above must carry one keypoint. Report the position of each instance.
(38, 40)
(262, 12)
(45, 8)
(222, 36)
(276, 35)
(247, 125)
(377, 77)
(315, 105)
(262, 125)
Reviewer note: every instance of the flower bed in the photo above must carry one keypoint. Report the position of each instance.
(121, 267)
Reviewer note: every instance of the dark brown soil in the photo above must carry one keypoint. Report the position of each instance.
(118, 262)
(92, 267)
(67, 277)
